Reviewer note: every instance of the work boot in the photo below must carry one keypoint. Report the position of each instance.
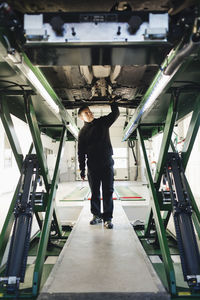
(95, 220)
(108, 224)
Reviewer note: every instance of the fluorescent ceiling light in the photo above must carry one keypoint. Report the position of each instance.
(41, 89)
(156, 91)
(32, 78)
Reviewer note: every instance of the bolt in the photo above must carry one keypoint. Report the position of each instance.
(119, 30)
(73, 31)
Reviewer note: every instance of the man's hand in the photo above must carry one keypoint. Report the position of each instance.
(114, 99)
(82, 174)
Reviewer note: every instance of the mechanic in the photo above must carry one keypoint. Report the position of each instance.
(95, 146)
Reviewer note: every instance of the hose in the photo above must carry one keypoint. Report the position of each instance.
(131, 145)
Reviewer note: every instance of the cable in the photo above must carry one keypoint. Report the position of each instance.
(14, 83)
(131, 145)
(9, 86)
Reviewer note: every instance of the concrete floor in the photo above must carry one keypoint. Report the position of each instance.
(98, 263)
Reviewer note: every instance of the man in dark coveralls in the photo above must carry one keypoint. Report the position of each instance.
(94, 144)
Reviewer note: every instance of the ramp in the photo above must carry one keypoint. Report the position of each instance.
(78, 194)
(98, 263)
(125, 193)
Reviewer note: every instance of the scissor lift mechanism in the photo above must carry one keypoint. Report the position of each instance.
(27, 201)
(178, 201)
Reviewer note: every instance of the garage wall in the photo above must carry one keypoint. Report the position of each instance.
(9, 173)
(193, 167)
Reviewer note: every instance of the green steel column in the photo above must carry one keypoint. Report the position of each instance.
(159, 224)
(10, 131)
(39, 218)
(148, 223)
(35, 132)
(191, 134)
(169, 125)
(31, 148)
(47, 222)
(172, 146)
(57, 222)
(166, 217)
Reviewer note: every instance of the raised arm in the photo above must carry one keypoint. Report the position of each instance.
(111, 117)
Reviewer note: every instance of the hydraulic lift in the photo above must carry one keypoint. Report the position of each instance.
(32, 99)
(26, 202)
(178, 201)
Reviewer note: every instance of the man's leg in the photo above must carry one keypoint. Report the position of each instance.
(107, 189)
(94, 182)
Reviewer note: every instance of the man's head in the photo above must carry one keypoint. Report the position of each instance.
(85, 114)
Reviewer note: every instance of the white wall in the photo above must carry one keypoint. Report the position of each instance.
(116, 134)
(193, 167)
(142, 176)
(68, 164)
